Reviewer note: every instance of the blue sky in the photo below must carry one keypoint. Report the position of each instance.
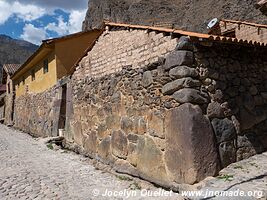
(36, 20)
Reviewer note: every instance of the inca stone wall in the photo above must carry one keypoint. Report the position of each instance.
(38, 114)
(235, 78)
(8, 108)
(175, 120)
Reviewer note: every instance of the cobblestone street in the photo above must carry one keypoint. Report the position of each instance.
(30, 170)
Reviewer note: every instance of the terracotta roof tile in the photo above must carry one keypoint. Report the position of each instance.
(246, 23)
(193, 35)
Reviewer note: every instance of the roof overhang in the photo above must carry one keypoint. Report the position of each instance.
(47, 47)
(40, 53)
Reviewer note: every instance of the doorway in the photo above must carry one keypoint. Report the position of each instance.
(63, 108)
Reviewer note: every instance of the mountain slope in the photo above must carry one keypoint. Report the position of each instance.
(14, 51)
(184, 14)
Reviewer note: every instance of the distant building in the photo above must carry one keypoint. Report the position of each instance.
(7, 93)
(44, 71)
(241, 30)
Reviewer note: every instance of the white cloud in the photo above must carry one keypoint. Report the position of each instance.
(76, 20)
(31, 10)
(66, 27)
(24, 12)
(33, 34)
(5, 12)
(28, 12)
(66, 5)
(61, 27)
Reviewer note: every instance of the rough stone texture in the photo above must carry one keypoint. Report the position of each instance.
(227, 152)
(224, 130)
(119, 110)
(30, 170)
(9, 103)
(179, 58)
(247, 175)
(119, 144)
(184, 43)
(190, 145)
(235, 80)
(186, 15)
(188, 95)
(178, 84)
(150, 159)
(248, 146)
(215, 110)
(136, 99)
(38, 114)
(183, 71)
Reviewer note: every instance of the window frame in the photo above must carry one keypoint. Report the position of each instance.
(33, 75)
(45, 66)
(23, 80)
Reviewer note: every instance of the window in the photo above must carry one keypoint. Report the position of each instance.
(33, 75)
(45, 66)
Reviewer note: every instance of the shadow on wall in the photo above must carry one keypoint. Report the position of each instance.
(238, 111)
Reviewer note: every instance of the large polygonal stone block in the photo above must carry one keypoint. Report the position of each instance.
(178, 58)
(191, 153)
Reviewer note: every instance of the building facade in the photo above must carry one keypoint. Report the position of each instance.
(166, 105)
(7, 109)
(39, 88)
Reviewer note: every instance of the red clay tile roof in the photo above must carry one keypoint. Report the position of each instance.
(246, 23)
(11, 68)
(193, 35)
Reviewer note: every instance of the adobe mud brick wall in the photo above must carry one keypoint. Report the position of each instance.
(177, 118)
(118, 48)
(38, 114)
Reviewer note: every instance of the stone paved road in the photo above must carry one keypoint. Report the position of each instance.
(249, 176)
(29, 170)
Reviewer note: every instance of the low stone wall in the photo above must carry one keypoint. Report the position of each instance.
(38, 114)
(9, 109)
(2, 111)
(177, 120)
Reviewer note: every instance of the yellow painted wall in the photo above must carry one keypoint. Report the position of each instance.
(42, 81)
(61, 55)
(70, 50)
